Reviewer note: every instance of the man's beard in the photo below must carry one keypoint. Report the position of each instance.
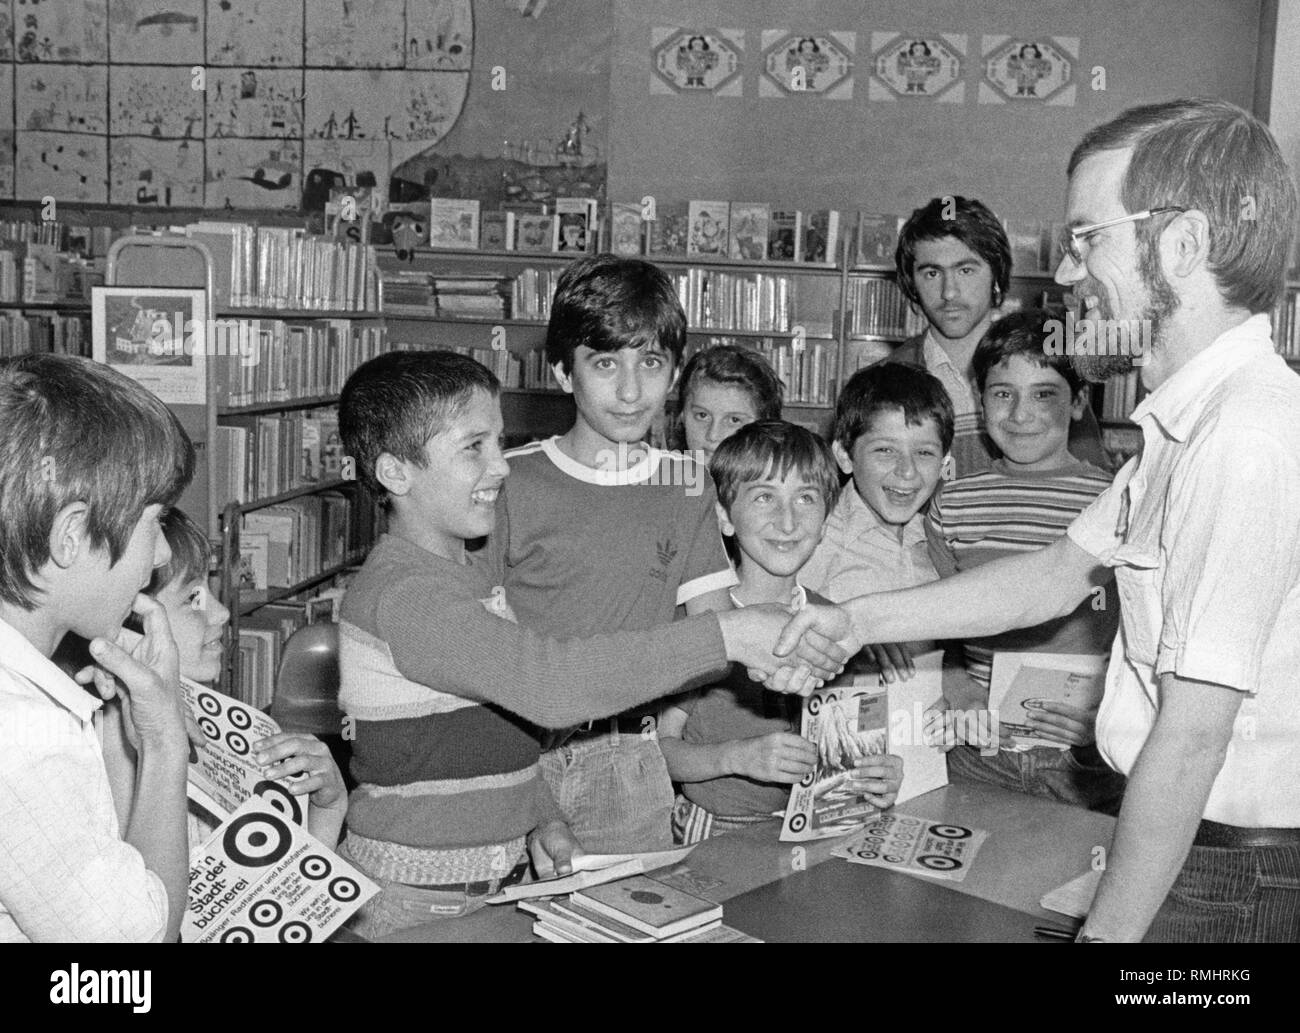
(1161, 304)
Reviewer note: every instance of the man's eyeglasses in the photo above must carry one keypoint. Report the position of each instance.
(1072, 236)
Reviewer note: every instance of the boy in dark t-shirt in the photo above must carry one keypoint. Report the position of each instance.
(735, 747)
(597, 531)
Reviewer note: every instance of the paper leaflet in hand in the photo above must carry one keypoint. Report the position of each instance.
(851, 720)
(225, 775)
(1019, 680)
(915, 845)
(261, 879)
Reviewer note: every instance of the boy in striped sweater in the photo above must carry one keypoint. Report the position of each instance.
(1025, 501)
(433, 669)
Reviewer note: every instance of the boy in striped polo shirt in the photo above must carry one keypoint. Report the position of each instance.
(1026, 501)
(433, 668)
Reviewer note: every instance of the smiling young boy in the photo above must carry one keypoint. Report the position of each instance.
(598, 531)
(433, 668)
(89, 462)
(893, 431)
(735, 748)
(1027, 500)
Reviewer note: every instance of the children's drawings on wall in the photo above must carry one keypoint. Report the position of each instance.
(154, 100)
(6, 30)
(156, 172)
(255, 32)
(69, 166)
(440, 35)
(62, 98)
(701, 61)
(356, 34)
(230, 86)
(60, 30)
(385, 105)
(254, 102)
(156, 31)
(253, 173)
(808, 64)
(917, 67)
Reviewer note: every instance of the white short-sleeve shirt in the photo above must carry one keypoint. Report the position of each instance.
(1203, 530)
(65, 873)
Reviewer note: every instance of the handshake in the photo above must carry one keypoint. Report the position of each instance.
(790, 652)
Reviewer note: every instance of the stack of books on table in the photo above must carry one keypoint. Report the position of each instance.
(638, 909)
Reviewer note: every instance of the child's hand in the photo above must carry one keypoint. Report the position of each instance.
(293, 753)
(777, 757)
(1061, 722)
(147, 680)
(880, 778)
(553, 849)
(894, 660)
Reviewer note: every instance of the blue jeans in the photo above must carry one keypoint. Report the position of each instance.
(1075, 776)
(614, 792)
(1231, 895)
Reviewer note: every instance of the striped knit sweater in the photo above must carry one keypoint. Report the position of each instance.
(975, 519)
(431, 676)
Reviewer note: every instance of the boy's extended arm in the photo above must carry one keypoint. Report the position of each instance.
(460, 648)
(1012, 592)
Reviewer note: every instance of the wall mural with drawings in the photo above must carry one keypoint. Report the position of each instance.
(226, 102)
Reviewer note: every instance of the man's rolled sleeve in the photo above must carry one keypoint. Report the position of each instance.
(1234, 559)
(1096, 529)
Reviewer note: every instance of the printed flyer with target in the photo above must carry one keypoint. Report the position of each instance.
(224, 775)
(261, 879)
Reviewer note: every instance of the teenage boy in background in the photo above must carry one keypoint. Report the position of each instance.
(1200, 709)
(598, 531)
(954, 263)
(89, 461)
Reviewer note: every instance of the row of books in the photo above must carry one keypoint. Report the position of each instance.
(265, 361)
(457, 295)
(809, 371)
(716, 300)
(1119, 396)
(256, 457)
(297, 540)
(262, 635)
(741, 231)
(528, 370)
(879, 308)
(37, 273)
(570, 227)
(87, 241)
(285, 267)
(26, 333)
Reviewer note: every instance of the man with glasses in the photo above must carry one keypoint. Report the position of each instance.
(1182, 214)
(953, 261)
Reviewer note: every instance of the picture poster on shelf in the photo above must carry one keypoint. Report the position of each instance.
(156, 336)
(812, 64)
(575, 225)
(707, 61)
(261, 879)
(708, 229)
(749, 223)
(626, 230)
